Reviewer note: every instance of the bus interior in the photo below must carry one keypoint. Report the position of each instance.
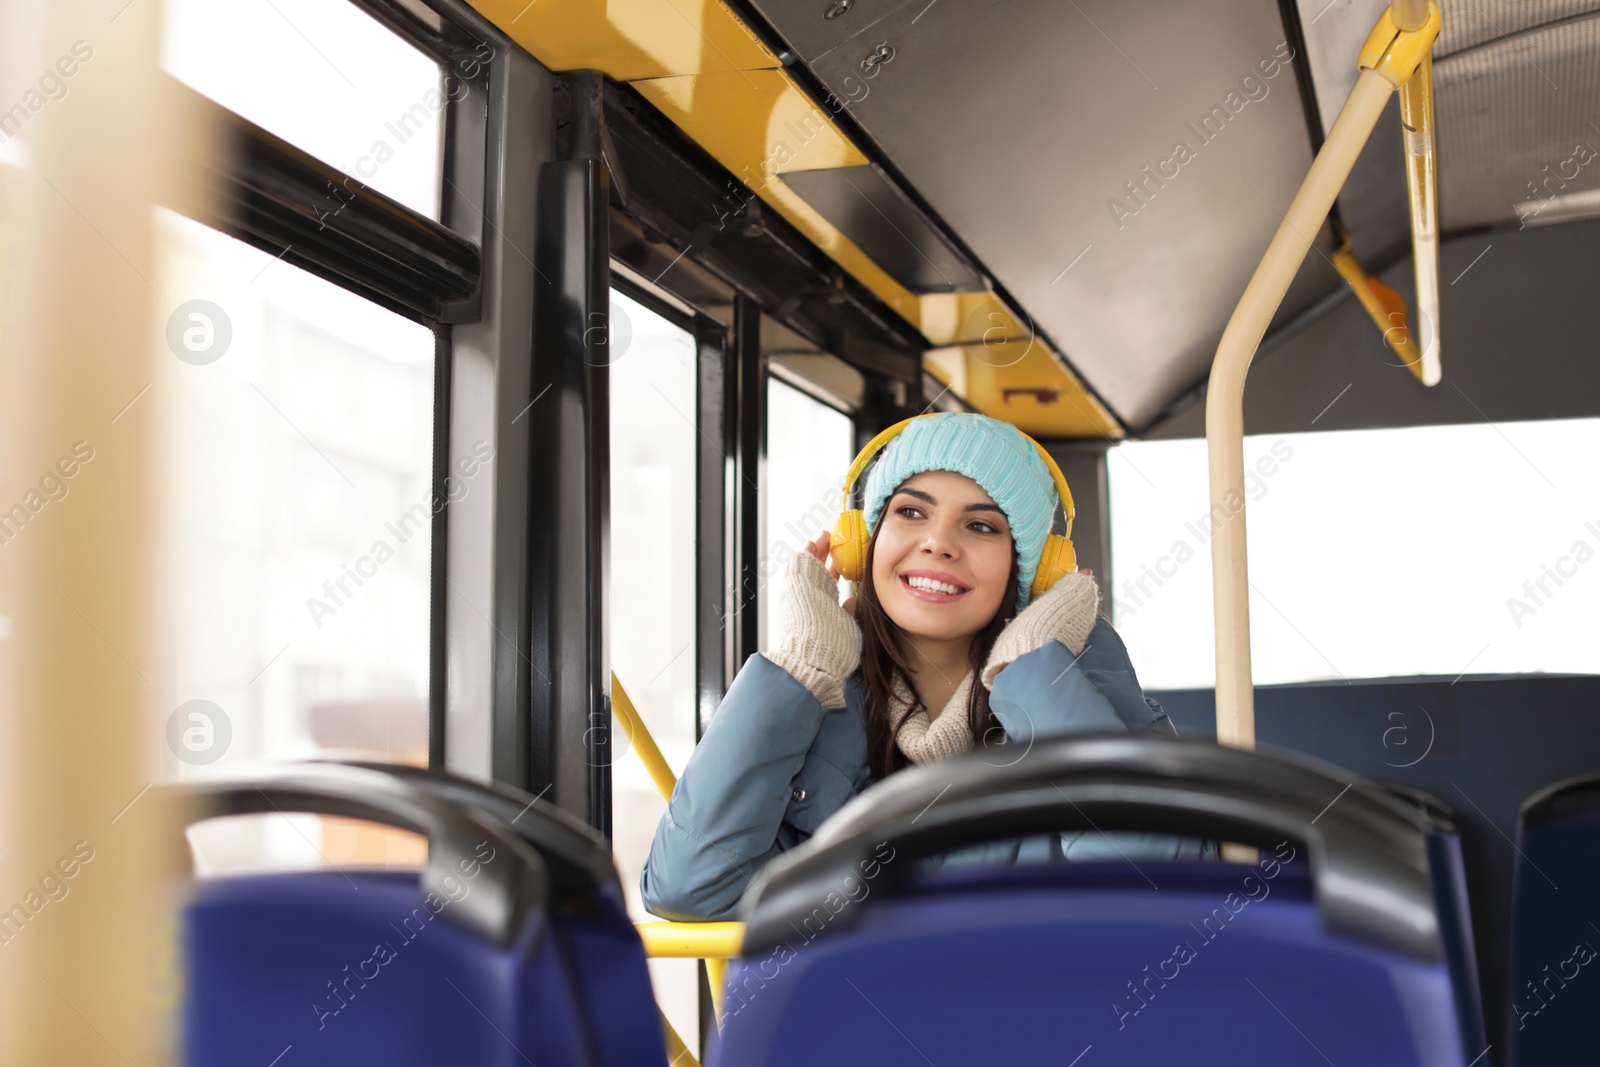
(411, 407)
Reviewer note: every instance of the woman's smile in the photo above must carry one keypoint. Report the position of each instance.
(936, 587)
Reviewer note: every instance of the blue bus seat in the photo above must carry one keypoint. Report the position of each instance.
(510, 946)
(1554, 977)
(587, 912)
(1455, 911)
(343, 969)
(1327, 949)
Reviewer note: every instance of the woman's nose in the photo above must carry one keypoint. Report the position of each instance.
(940, 541)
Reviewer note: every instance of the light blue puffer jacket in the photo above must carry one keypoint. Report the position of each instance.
(773, 764)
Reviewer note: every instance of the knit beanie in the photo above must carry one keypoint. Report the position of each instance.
(996, 455)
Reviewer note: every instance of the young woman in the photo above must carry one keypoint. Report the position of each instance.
(948, 657)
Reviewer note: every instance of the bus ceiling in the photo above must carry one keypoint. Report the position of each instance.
(1064, 202)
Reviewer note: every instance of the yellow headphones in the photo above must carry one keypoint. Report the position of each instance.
(851, 536)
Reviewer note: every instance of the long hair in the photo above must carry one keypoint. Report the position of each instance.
(885, 653)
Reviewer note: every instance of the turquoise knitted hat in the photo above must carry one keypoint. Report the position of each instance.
(992, 453)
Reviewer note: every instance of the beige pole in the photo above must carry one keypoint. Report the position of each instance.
(1409, 14)
(1236, 724)
(86, 956)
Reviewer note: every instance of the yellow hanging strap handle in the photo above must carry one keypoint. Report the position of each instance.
(1386, 307)
(1399, 48)
(1422, 183)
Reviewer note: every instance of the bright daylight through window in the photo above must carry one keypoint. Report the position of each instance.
(808, 453)
(298, 430)
(1437, 550)
(650, 619)
(325, 77)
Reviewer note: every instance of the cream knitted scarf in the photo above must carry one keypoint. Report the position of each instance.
(1066, 614)
(925, 741)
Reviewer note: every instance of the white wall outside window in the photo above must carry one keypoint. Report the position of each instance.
(650, 616)
(326, 77)
(1373, 553)
(297, 421)
(808, 452)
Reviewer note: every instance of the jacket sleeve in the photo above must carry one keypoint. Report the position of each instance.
(1045, 693)
(1049, 692)
(725, 818)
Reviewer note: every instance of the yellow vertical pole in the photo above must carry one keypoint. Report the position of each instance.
(82, 662)
(717, 979)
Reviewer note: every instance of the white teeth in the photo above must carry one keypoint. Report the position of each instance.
(932, 586)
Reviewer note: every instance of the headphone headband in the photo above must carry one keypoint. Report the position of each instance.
(880, 442)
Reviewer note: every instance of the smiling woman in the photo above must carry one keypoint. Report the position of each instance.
(957, 649)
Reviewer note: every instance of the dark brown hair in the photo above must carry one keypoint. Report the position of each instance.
(885, 653)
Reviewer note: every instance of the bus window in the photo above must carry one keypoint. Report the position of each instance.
(298, 427)
(1439, 550)
(650, 619)
(326, 77)
(808, 452)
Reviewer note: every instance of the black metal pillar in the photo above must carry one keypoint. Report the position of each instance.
(569, 712)
(749, 453)
(715, 589)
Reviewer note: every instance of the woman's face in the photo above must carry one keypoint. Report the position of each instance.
(942, 558)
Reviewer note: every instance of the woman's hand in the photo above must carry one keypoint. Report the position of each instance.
(818, 641)
(1065, 613)
(822, 549)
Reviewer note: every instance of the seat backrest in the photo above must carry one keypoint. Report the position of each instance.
(1330, 943)
(358, 967)
(587, 912)
(1455, 912)
(1554, 977)
(482, 957)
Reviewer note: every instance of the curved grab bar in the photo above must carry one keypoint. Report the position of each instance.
(1367, 850)
(1389, 59)
(501, 889)
(576, 857)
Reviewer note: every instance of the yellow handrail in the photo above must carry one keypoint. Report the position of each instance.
(627, 716)
(716, 942)
(1389, 60)
(695, 941)
(678, 1054)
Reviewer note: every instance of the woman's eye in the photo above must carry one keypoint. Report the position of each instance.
(908, 511)
(983, 527)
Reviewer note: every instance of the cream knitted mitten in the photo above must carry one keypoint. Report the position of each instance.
(1066, 613)
(819, 643)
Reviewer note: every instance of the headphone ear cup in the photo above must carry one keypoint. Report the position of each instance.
(1058, 560)
(850, 539)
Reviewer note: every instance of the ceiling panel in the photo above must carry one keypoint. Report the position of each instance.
(1514, 96)
(1118, 166)
(1519, 127)
(872, 211)
(1474, 22)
